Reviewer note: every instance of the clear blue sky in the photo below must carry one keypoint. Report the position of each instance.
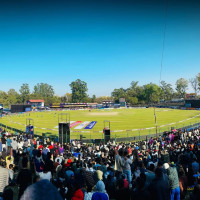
(107, 44)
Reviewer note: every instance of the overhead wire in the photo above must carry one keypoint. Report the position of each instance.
(164, 36)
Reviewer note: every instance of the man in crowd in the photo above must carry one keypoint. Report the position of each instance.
(77, 168)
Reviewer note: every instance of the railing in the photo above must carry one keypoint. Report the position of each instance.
(127, 136)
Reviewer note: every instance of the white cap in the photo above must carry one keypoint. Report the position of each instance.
(166, 166)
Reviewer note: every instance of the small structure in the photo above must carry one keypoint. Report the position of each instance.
(122, 102)
(108, 103)
(20, 108)
(36, 103)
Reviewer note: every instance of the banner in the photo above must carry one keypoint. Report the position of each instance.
(82, 125)
(75, 123)
(91, 125)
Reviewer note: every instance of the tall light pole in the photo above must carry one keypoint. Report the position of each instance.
(155, 122)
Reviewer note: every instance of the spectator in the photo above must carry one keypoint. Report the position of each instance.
(119, 163)
(41, 190)
(100, 192)
(173, 181)
(4, 176)
(159, 188)
(24, 178)
(46, 174)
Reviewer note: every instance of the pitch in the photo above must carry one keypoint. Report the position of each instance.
(124, 122)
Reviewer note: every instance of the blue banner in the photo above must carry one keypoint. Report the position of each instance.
(91, 125)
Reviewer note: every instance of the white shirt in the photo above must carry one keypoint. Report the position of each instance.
(47, 175)
(20, 145)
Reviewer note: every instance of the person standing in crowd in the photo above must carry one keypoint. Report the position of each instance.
(3, 140)
(14, 147)
(9, 142)
(159, 188)
(24, 178)
(127, 168)
(173, 181)
(1, 147)
(100, 192)
(4, 177)
(73, 170)
(119, 162)
(41, 190)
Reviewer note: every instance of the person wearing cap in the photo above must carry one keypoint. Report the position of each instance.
(173, 181)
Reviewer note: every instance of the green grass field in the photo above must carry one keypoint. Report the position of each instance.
(124, 122)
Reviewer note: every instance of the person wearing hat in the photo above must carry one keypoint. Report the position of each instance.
(173, 181)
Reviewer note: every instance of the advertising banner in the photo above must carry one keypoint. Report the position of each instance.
(91, 125)
(82, 125)
(75, 124)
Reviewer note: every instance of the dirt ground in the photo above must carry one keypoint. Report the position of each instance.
(103, 113)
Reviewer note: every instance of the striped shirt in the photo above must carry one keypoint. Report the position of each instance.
(4, 178)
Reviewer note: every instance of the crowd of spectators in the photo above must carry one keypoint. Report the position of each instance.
(164, 168)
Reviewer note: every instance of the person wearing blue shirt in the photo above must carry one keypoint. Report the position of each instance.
(9, 141)
(0, 147)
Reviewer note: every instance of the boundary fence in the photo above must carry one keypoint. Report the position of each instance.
(117, 137)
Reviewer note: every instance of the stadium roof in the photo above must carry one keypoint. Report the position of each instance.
(36, 100)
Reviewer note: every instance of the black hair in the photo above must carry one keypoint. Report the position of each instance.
(24, 162)
(8, 194)
(10, 166)
(158, 172)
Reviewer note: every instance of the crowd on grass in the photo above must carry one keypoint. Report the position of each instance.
(164, 168)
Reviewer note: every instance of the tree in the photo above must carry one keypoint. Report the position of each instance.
(134, 85)
(69, 97)
(198, 78)
(93, 99)
(132, 100)
(43, 90)
(4, 98)
(46, 92)
(167, 90)
(13, 97)
(24, 92)
(152, 93)
(181, 87)
(118, 93)
(79, 89)
(195, 84)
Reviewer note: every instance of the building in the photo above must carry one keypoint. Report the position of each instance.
(192, 103)
(36, 103)
(108, 103)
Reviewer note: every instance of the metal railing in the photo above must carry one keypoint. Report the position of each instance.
(93, 136)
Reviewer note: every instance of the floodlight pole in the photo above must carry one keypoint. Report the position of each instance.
(155, 122)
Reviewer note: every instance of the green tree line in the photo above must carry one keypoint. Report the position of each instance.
(135, 94)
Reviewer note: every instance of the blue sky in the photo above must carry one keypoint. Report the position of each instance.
(107, 44)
